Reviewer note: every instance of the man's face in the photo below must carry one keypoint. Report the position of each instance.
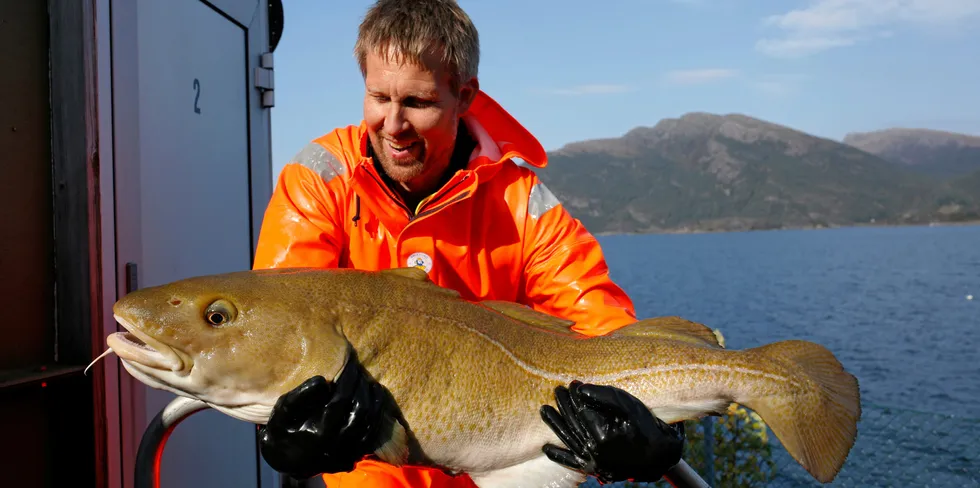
(412, 114)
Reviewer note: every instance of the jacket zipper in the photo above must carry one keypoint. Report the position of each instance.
(443, 193)
(384, 188)
(398, 201)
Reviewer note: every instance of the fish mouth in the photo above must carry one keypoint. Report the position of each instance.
(137, 347)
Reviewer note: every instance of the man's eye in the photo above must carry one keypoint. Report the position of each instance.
(417, 103)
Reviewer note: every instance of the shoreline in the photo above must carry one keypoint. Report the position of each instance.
(687, 231)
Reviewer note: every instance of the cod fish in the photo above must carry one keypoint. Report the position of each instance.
(468, 377)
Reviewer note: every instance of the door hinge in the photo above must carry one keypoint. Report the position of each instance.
(265, 80)
(132, 278)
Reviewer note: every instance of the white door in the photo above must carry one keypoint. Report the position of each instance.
(184, 197)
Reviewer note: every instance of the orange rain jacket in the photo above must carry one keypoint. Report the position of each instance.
(493, 231)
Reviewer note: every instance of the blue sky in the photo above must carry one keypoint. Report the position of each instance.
(571, 70)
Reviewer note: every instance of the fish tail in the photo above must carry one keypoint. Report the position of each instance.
(817, 426)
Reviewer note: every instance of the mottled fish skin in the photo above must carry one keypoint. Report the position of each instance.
(470, 378)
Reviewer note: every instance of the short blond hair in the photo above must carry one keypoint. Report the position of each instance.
(410, 29)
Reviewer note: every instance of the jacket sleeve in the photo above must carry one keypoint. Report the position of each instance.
(302, 223)
(369, 473)
(566, 273)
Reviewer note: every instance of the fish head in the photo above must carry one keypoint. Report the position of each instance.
(236, 341)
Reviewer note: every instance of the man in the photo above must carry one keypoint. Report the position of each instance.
(427, 179)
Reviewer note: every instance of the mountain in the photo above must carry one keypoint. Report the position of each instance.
(965, 186)
(969, 183)
(707, 172)
(932, 152)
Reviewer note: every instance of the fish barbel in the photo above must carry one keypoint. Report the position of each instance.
(468, 377)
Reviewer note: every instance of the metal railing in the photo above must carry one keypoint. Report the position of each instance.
(150, 452)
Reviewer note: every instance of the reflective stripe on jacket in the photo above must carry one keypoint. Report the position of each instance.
(493, 231)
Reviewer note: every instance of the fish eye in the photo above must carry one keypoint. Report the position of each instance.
(219, 313)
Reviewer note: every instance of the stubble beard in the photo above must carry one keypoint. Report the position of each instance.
(401, 172)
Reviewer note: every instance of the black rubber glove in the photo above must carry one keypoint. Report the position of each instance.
(611, 435)
(325, 427)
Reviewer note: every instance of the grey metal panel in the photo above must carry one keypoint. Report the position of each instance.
(260, 123)
(195, 194)
(191, 184)
(125, 102)
(243, 11)
(260, 130)
(115, 443)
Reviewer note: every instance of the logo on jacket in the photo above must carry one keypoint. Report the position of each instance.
(420, 260)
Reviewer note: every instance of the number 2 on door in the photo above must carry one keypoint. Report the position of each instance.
(197, 95)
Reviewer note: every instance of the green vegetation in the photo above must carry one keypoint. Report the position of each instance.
(741, 451)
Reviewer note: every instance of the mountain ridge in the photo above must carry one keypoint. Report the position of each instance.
(937, 153)
(718, 172)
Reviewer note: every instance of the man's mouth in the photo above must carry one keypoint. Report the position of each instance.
(400, 147)
(401, 150)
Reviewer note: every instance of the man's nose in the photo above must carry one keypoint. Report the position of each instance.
(395, 121)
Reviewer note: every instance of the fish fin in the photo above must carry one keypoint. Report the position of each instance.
(672, 328)
(395, 450)
(532, 317)
(818, 428)
(412, 273)
(692, 410)
(419, 277)
(254, 413)
(533, 473)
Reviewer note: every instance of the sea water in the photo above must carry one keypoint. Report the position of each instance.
(891, 303)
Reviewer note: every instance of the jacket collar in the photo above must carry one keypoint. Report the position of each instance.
(499, 137)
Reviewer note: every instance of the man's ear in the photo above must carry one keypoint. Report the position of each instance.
(467, 92)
